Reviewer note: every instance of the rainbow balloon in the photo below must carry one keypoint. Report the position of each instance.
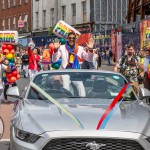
(62, 29)
(9, 37)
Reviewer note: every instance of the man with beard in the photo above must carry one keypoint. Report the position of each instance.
(129, 66)
(72, 55)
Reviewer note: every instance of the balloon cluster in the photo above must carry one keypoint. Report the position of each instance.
(57, 64)
(9, 52)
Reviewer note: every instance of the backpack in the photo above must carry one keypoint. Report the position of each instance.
(123, 68)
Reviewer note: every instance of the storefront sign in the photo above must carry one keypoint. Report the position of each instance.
(99, 37)
(9, 37)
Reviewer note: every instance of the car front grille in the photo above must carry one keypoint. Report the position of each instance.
(92, 144)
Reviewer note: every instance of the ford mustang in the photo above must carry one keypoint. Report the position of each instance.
(80, 110)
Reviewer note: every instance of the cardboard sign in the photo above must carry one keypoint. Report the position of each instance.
(62, 29)
(9, 37)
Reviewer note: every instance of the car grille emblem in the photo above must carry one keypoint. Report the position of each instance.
(94, 146)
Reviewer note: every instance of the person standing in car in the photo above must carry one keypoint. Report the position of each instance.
(71, 55)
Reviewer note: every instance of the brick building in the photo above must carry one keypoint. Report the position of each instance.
(16, 15)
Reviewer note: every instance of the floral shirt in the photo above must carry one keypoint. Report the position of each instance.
(129, 67)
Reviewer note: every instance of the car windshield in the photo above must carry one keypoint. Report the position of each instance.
(78, 85)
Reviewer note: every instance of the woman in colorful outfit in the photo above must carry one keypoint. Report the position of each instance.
(34, 59)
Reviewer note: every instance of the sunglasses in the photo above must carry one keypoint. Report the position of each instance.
(73, 38)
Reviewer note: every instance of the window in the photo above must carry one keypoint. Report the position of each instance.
(26, 1)
(8, 3)
(84, 11)
(20, 19)
(64, 13)
(14, 23)
(3, 4)
(20, 2)
(3, 24)
(96, 85)
(8, 23)
(14, 2)
(37, 20)
(52, 16)
(73, 14)
(44, 18)
(26, 22)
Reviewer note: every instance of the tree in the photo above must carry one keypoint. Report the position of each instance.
(51, 30)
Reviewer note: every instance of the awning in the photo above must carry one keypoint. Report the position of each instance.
(20, 37)
(24, 35)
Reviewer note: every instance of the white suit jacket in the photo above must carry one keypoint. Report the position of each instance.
(63, 53)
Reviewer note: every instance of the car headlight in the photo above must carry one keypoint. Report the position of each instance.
(25, 136)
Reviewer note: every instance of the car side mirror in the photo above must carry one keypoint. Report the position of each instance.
(144, 93)
(1, 128)
(13, 92)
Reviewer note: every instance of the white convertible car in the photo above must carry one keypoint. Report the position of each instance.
(80, 110)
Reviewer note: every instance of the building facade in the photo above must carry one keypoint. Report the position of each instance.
(46, 13)
(138, 10)
(16, 15)
(108, 13)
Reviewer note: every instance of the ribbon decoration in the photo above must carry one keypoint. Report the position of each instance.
(112, 107)
(33, 85)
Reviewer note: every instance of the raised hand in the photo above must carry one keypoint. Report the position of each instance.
(56, 46)
(90, 43)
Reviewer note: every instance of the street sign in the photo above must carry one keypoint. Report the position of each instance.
(20, 23)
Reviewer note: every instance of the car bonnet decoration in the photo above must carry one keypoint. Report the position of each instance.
(104, 118)
(33, 85)
(113, 106)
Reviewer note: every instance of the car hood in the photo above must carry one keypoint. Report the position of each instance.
(129, 116)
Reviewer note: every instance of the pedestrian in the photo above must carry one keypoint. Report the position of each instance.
(99, 61)
(146, 66)
(46, 59)
(109, 55)
(18, 59)
(129, 66)
(95, 59)
(34, 58)
(4, 68)
(25, 64)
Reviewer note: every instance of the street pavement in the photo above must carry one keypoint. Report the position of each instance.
(6, 110)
